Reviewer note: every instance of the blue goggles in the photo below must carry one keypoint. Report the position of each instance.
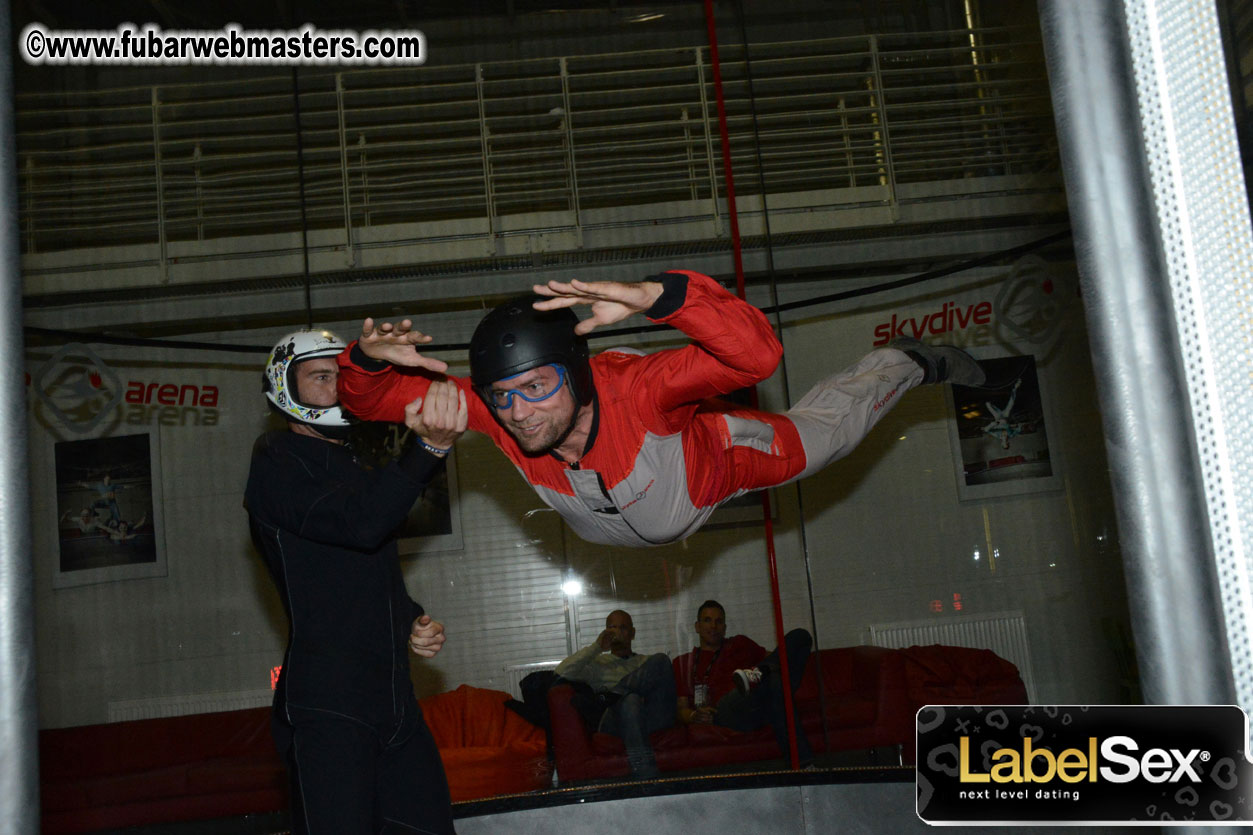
(535, 391)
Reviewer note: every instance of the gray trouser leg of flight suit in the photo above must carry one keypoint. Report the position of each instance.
(840, 410)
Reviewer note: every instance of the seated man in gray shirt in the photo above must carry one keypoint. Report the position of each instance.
(638, 690)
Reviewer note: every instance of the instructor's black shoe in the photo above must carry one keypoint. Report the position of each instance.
(941, 363)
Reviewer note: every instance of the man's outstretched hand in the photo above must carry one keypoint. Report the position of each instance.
(611, 301)
(397, 343)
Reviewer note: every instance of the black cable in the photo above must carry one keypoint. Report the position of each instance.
(771, 276)
(768, 241)
(300, 174)
(1014, 252)
(77, 336)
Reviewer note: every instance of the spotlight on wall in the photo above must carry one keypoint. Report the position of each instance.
(572, 588)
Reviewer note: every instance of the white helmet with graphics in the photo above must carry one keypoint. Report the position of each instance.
(279, 383)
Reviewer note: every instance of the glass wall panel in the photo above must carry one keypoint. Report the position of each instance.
(895, 175)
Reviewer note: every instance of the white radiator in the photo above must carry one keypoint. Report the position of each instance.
(127, 709)
(517, 672)
(1005, 633)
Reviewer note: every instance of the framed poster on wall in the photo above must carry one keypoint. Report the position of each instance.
(109, 522)
(434, 521)
(1000, 433)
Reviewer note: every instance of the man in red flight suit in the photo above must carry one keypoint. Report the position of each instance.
(632, 448)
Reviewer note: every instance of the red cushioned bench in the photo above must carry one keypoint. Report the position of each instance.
(111, 776)
(871, 697)
(219, 765)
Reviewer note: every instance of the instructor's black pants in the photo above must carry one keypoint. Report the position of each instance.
(348, 780)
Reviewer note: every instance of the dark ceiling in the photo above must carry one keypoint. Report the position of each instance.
(326, 14)
(879, 15)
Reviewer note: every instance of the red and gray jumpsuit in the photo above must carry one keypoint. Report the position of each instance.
(663, 452)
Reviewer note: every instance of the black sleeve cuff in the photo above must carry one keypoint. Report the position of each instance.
(420, 465)
(364, 362)
(673, 294)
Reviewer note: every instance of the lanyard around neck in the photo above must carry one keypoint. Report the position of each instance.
(712, 661)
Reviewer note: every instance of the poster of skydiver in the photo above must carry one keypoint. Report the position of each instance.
(107, 508)
(1000, 432)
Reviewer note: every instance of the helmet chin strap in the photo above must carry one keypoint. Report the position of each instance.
(574, 418)
(565, 433)
(335, 433)
(330, 433)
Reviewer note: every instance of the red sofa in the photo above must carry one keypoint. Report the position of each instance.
(872, 695)
(217, 765)
(159, 770)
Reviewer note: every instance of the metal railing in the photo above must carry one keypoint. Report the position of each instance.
(483, 142)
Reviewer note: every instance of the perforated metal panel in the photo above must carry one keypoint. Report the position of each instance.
(1202, 209)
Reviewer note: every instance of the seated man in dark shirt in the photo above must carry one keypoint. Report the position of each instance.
(733, 682)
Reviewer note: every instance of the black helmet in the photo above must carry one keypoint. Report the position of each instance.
(515, 337)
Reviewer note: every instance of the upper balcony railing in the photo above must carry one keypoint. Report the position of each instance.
(198, 161)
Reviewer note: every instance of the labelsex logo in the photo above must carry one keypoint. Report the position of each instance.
(1040, 765)
(1092, 764)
